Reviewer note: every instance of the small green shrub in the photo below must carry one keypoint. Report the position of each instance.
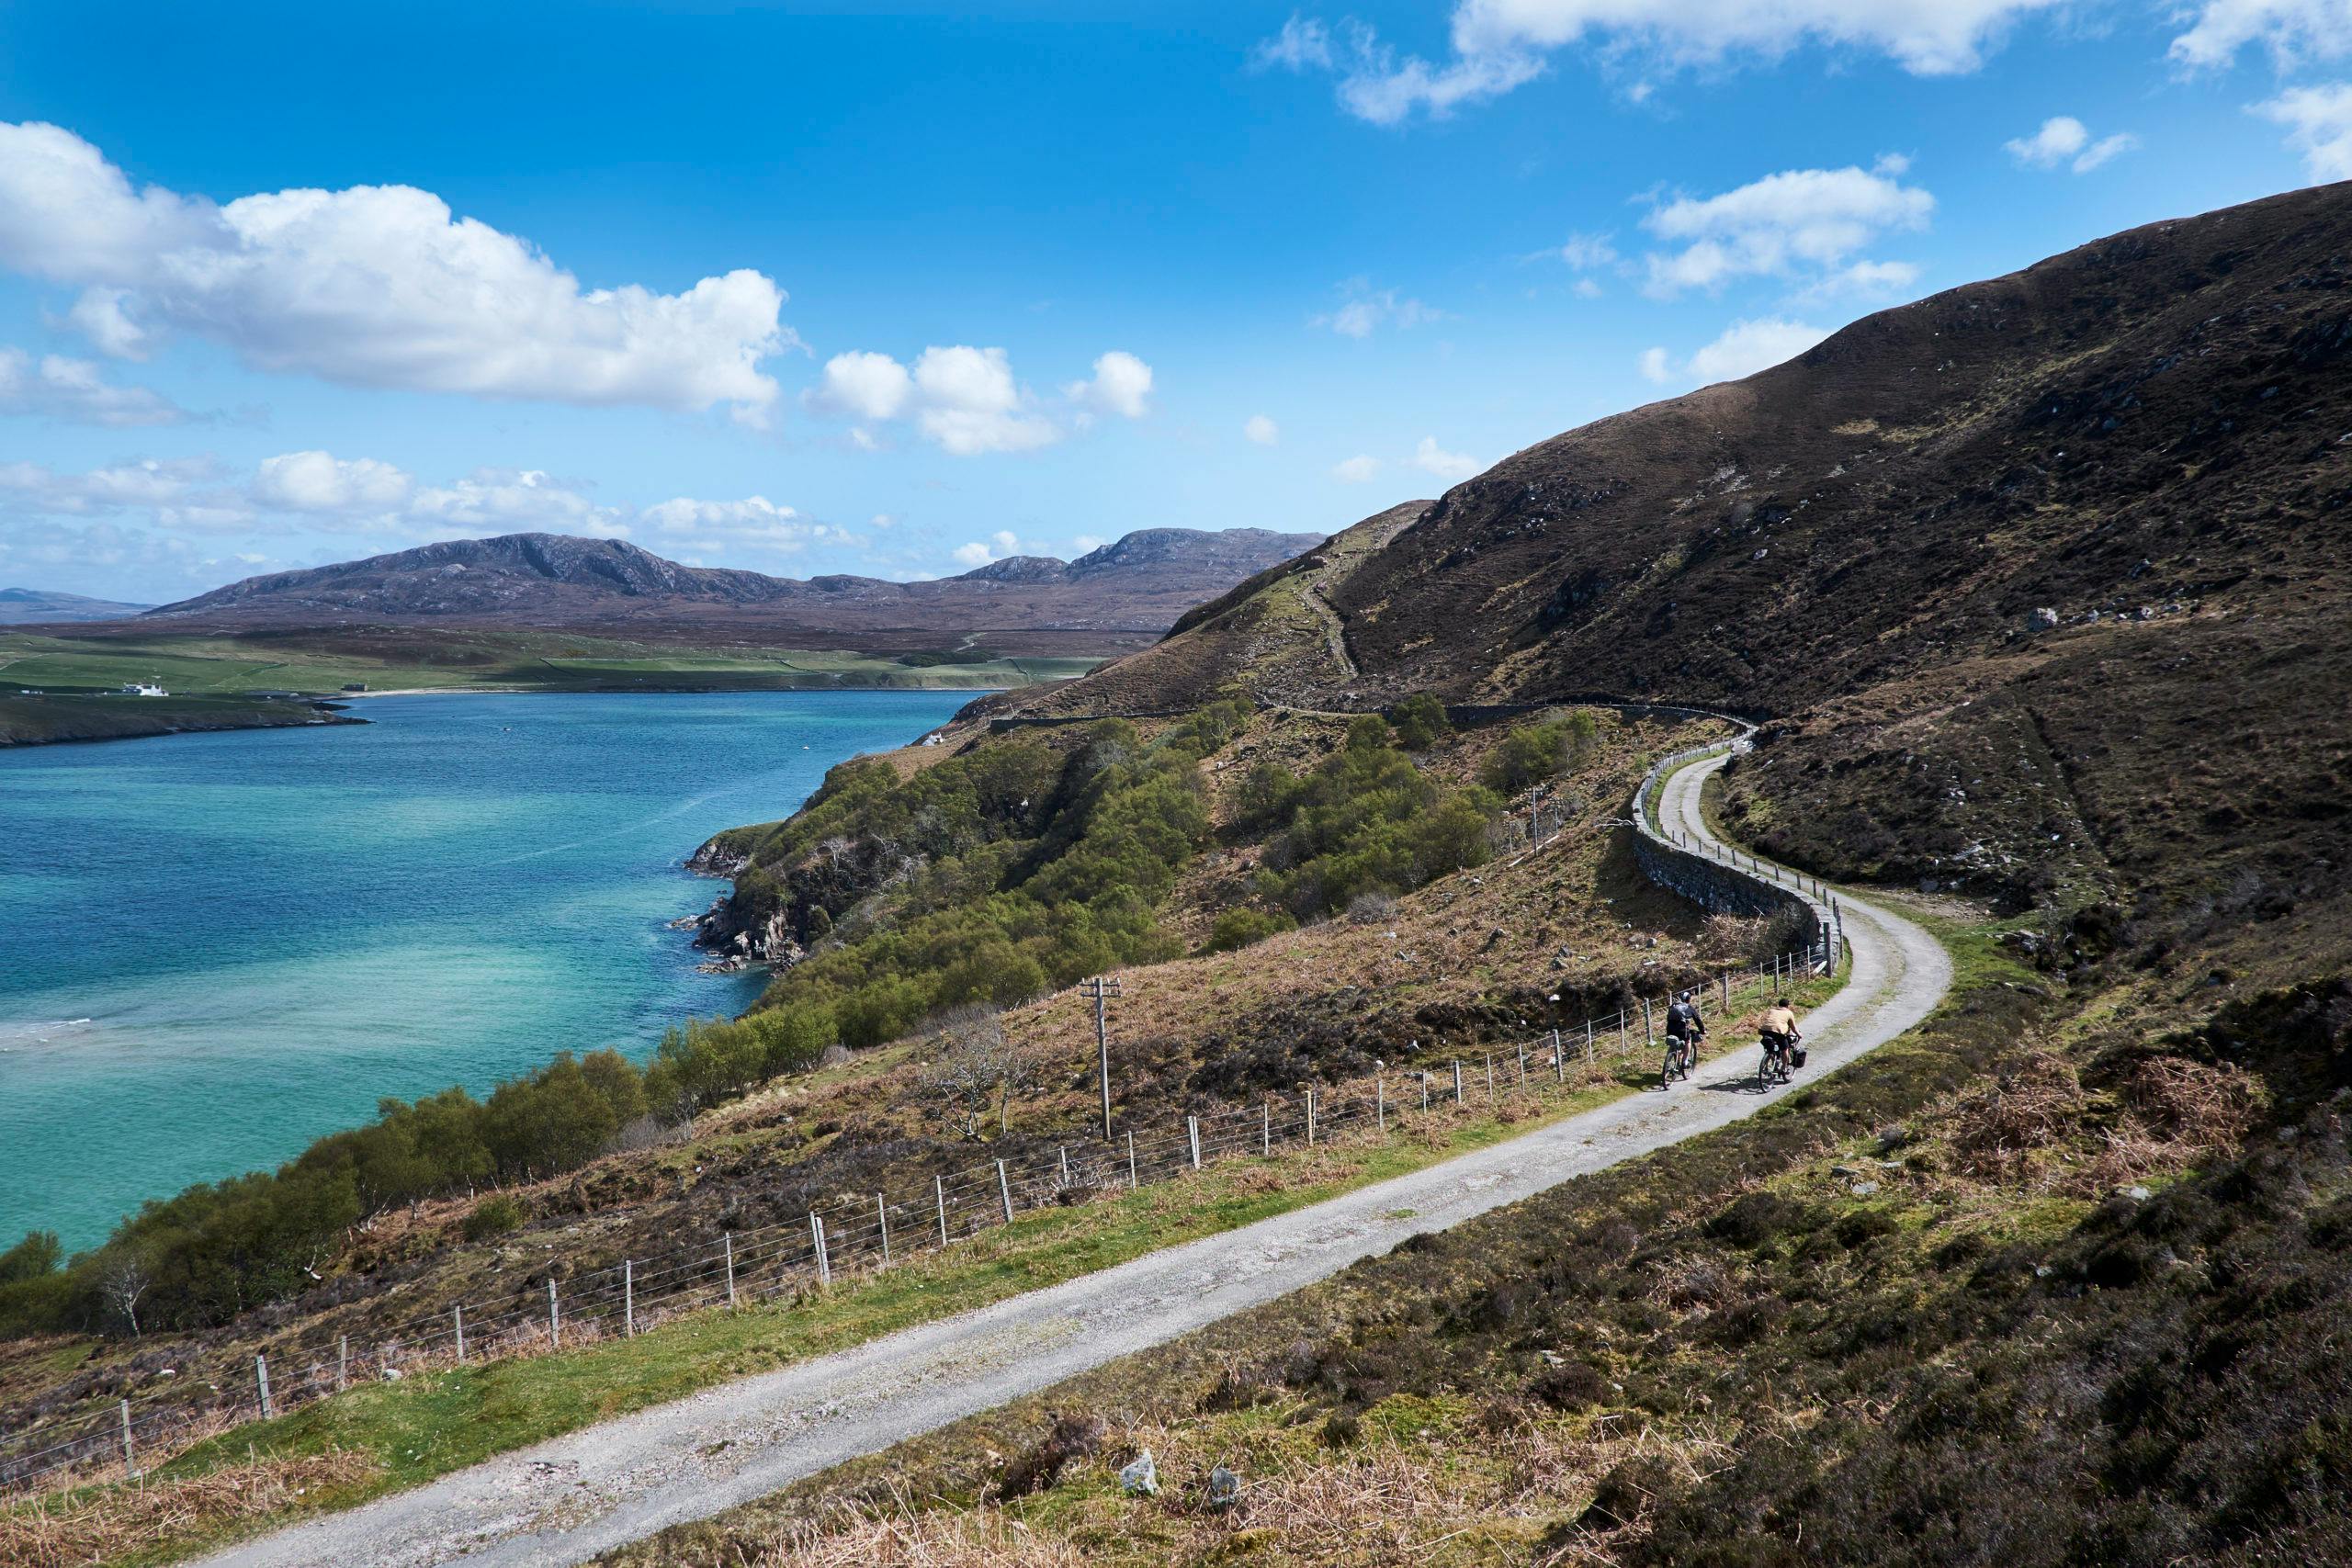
(1419, 722)
(494, 1216)
(1537, 753)
(1243, 927)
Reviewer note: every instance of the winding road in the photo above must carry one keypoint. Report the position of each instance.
(569, 1499)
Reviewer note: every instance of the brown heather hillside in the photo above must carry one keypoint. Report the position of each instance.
(2059, 1279)
(2151, 437)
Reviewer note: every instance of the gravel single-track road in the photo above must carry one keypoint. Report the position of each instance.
(566, 1500)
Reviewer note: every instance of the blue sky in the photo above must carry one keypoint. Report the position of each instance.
(838, 288)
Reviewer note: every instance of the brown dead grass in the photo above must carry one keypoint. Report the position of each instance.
(50, 1533)
(1441, 1495)
(1999, 1131)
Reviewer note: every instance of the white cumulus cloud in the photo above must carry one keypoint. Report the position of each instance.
(755, 523)
(1002, 543)
(1745, 347)
(319, 481)
(965, 400)
(969, 403)
(1798, 222)
(508, 501)
(318, 492)
(373, 286)
(2292, 31)
(2319, 126)
(1356, 470)
(1260, 430)
(76, 391)
(1429, 458)
(1122, 385)
(32, 489)
(1499, 45)
(101, 316)
(864, 385)
(2062, 138)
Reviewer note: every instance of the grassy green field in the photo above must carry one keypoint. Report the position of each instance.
(446, 660)
(32, 721)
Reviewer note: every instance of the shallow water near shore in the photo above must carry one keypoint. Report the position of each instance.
(218, 947)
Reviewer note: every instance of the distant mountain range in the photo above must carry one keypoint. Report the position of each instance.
(1124, 595)
(38, 607)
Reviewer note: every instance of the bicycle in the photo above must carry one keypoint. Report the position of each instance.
(1681, 1058)
(1774, 1068)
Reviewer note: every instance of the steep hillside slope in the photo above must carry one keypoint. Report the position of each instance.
(2150, 438)
(2044, 571)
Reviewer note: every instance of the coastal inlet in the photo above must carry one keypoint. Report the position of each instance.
(224, 945)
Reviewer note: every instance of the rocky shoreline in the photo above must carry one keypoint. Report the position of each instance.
(734, 945)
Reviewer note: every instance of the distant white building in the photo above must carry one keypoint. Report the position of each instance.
(143, 689)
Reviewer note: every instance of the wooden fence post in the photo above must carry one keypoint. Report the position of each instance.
(727, 1240)
(1310, 1118)
(130, 1461)
(1004, 1190)
(555, 1318)
(628, 1297)
(457, 1316)
(1425, 1089)
(882, 1212)
(261, 1376)
(1380, 1104)
(824, 1262)
(1457, 1080)
(1131, 1161)
(1192, 1132)
(939, 1196)
(342, 1362)
(1266, 1127)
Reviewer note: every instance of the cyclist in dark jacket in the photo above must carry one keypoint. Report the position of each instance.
(1683, 1023)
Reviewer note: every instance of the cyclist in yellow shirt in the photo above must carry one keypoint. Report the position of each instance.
(1778, 1035)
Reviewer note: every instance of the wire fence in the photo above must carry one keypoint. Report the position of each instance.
(555, 1310)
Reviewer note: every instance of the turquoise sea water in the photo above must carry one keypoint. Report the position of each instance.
(214, 948)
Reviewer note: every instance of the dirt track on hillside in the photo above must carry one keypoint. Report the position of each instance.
(570, 1498)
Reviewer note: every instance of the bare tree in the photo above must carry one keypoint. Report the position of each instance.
(126, 1281)
(979, 1071)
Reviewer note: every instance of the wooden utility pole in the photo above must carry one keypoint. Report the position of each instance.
(1535, 797)
(1103, 990)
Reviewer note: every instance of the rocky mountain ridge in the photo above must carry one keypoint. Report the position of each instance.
(1138, 584)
